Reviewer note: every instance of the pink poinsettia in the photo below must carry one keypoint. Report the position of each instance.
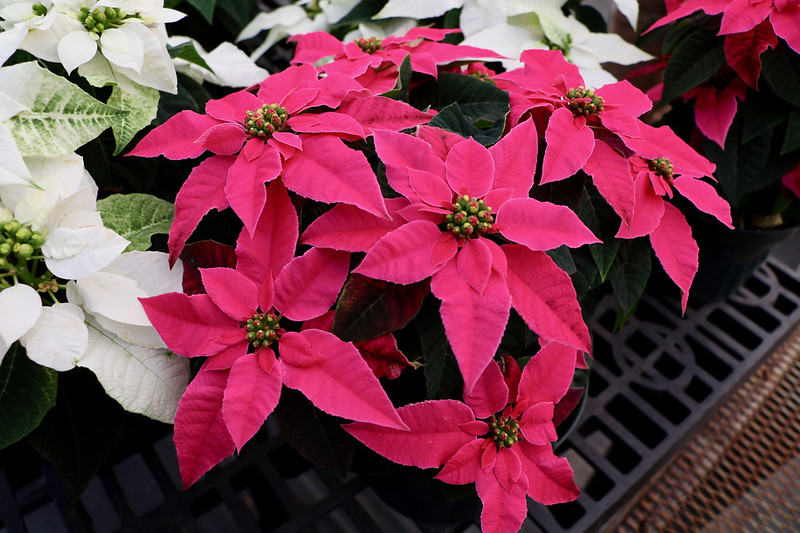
(375, 62)
(240, 325)
(293, 127)
(750, 27)
(662, 163)
(457, 197)
(499, 438)
(715, 106)
(552, 92)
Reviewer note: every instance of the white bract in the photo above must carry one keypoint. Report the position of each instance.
(125, 37)
(231, 67)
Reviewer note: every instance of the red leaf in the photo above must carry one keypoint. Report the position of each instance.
(503, 510)
(404, 255)
(611, 174)
(380, 112)
(743, 51)
(204, 254)
(383, 357)
(201, 436)
(542, 225)
(515, 158)
(309, 285)
(568, 146)
(566, 405)
(245, 187)
(433, 437)
(550, 478)
(676, 249)
(490, 393)
(548, 374)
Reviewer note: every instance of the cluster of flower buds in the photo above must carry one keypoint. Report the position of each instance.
(470, 217)
(582, 101)
(18, 241)
(265, 121)
(39, 9)
(262, 330)
(662, 166)
(369, 45)
(98, 20)
(505, 431)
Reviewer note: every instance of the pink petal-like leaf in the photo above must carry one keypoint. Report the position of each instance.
(511, 373)
(201, 436)
(713, 113)
(404, 255)
(465, 465)
(705, 198)
(233, 107)
(225, 138)
(380, 112)
(490, 393)
(743, 15)
(542, 225)
(399, 152)
(430, 188)
(611, 174)
(623, 96)
(515, 159)
(329, 122)
(537, 423)
(275, 88)
(474, 262)
(470, 169)
(328, 171)
(503, 511)
(273, 243)
(245, 189)
(676, 249)
(474, 323)
(647, 212)
(433, 437)
(175, 138)
(507, 468)
(203, 191)
(338, 382)
(547, 375)
(188, 324)
(348, 228)
(309, 285)
(550, 478)
(545, 298)
(441, 141)
(231, 291)
(313, 46)
(250, 396)
(225, 359)
(784, 22)
(568, 146)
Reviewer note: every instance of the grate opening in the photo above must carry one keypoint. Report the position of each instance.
(790, 282)
(18, 469)
(138, 485)
(617, 452)
(604, 355)
(668, 366)
(200, 505)
(784, 305)
(736, 330)
(663, 402)
(758, 315)
(708, 361)
(258, 497)
(647, 312)
(640, 344)
(697, 390)
(757, 287)
(636, 421)
(45, 518)
(597, 384)
(567, 514)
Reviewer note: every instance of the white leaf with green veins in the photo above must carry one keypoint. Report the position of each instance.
(136, 217)
(140, 102)
(59, 118)
(145, 381)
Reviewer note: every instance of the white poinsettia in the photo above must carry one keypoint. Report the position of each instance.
(18, 18)
(231, 66)
(20, 308)
(126, 37)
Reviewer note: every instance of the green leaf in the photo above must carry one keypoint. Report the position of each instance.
(60, 117)
(205, 7)
(369, 308)
(315, 435)
(632, 271)
(188, 52)
(241, 12)
(451, 118)
(80, 432)
(698, 56)
(400, 91)
(442, 376)
(27, 393)
(781, 69)
(760, 113)
(137, 217)
(792, 140)
(478, 99)
(140, 102)
(563, 258)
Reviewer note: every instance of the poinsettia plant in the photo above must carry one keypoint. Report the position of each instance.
(394, 241)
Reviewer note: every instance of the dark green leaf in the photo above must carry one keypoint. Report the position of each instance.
(241, 12)
(629, 277)
(442, 376)
(27, 393)
(563, 258)
(676, 35)
(362, 12)
(315, 435)
(478, 99)
(760, 113)
(400, 91)
(205, 7)
(591, 18)
(369, 308)
(451, 118)
(137, 217)
(188, 52)
(191, 95)
(792, 140)
(781, 68)
(698, 56)
(80, 432)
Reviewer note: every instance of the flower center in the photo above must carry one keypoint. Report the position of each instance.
(20, 253)
(563, 46)
(470, 217)
(583, 101)
(662, 166)
(39, 9)
(265, 121)
(262, 330)
(369, 45)
(504, 431)
(100, 19)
